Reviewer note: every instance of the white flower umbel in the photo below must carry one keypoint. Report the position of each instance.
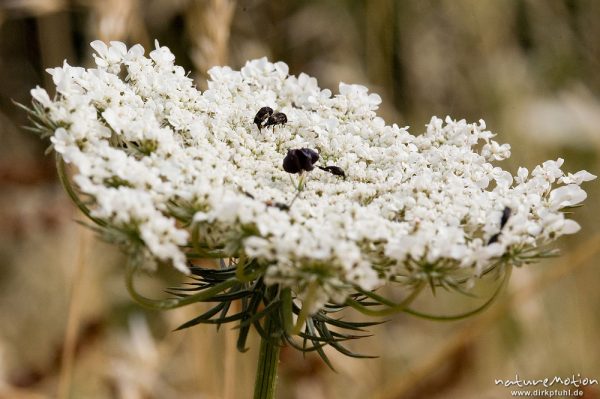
(183, 171)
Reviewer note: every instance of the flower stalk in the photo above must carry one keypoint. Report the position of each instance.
(268, 361)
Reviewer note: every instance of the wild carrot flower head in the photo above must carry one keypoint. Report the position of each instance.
(173, 170)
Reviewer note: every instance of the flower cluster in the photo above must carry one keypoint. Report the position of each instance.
(183, 171)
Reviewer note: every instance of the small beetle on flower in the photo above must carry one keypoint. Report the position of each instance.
(262, 117)
(278, 118)
(503, 220)
(334, 170)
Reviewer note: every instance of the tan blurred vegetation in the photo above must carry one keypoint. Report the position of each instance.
(530, 68)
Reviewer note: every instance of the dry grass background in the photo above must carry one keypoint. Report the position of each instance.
(530, 68)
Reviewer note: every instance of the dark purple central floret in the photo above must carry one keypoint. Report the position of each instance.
(300, 160)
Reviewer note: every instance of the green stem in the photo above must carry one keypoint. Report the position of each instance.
(403, 307)
(306, 305)
(268, 359)
(287, 310)
(240, 273)
(391, 307)
(473, 312)
(66, 183)
(172, 303)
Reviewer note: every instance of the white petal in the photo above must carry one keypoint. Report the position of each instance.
(570, 227)
(568, 195)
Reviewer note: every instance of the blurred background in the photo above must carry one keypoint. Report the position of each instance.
(529, 68)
